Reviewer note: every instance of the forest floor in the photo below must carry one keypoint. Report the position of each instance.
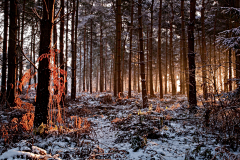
(99, 126)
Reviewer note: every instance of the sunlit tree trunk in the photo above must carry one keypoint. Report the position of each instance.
(73, 84)
(171, 54)
(4, 60)
(159, 50)
(43, 92)
(84, 57)
(141, 52)
(191, 57)
(130, 53)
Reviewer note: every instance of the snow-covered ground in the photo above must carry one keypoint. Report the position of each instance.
(120, 130)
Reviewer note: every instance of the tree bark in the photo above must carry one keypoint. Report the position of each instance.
(73, 84)
(151, 52)
(184, 48)
(91, 46)
(142, 63)
(84, 57)
(61, 48)
(191, 57)
(22, 33)
(66, 52)
(75, 49)
(43, 92)
(166, 63)
(171, 54)
(130, 53)
(159, 50)
(203, 55)
(4, 65)
(118, 38)
(11, 83)
(101, 58)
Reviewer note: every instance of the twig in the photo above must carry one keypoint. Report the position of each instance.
(62, 18)
(58, 14)
(21, 51)
(35, 12)
(46, 7)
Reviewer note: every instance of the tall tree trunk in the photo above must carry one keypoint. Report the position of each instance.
(142, 63)
(43, 93)
(184, 47)
(101, 58)
(134, 75)
(203, 55)
(84, 57)
(75, 48)
(115, 69)
(66, 52)
(151, 52)
(214, 55)
(87, 65)
(130, 53)
(166, 63)
(105, 63)
(34, 54)
(226, 73)
(73, 84)
(80, 68)
(4, 65)
(171, 54)
(91, 57)
(61, 48)
(138, 75)
(11, 83)
(230, 69)
(147, 76)
(191, 57)
(118, 38)
(22, 33)
(159, 50)
(181, 69)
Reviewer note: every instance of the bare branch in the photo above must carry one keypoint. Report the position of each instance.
(57, 14)
(21, 51)
(46, 6)
(35, 12)
(62, 18)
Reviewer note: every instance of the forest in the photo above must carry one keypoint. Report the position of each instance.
(120, 79)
